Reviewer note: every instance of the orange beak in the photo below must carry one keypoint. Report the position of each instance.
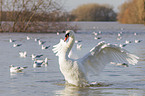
(66, 38)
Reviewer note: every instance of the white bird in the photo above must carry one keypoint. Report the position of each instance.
(120, 64)
(122, 45)
(79, 46)
(23, 54)
(44, 47)
(75, 71)
(41, 42)
(16, 68)
(36, 39)
(28, 38)
(35, 56)
(57, 33)
(97, 38)
(39, 63)
(16, 45)
(77, 41)
(95, 33)
(137, 41)
(127, 42)
(10, 40)
(135, 34)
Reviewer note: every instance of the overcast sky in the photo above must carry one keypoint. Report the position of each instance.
(72, 4)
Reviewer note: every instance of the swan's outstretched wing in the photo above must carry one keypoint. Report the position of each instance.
(59, 47)
(105, 53)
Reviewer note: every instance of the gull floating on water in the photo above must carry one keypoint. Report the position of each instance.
(35, 56)
(39, 63)
(41, 42)
(97, 38)
(120, 64)
(36, 39)
(137, 41)
(23, 54)
(122, 45)
(75, 70)
(10, 40)
(28, 38)
(44, 47)
(16, 68)
(79, 46)
(16, 45)
(127, 42)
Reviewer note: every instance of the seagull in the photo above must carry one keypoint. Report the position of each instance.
(16, 68)
(37, 63)
(40, 63)
(28, 38)
(79, 46)
(44, 47)
(122, 45)
(41, 42)
(35, 56)
(127, 42)
(23, 54)
(57, 33)
(137, 41)
(77, 41)
(97, 38)
(36, 39)
(16, 45)
(95, 33)
(120, 64)
(10, 40)
(75, 70)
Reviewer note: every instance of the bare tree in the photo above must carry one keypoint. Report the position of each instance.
(29, 16)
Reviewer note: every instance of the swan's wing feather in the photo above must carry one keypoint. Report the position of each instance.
(105, 53)
(58, 47)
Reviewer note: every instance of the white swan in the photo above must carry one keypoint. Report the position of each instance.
(75, 71)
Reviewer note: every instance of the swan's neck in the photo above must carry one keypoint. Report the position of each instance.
(68, 47)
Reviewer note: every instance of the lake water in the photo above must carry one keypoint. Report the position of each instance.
(48, 81)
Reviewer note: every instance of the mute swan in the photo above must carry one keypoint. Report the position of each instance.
(75, 71)
(16, 68)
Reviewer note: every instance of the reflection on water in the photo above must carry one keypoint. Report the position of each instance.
(99, 91)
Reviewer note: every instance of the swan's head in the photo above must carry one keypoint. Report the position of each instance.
(69, 33)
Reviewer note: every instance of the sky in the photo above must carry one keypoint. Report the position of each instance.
(72, 4)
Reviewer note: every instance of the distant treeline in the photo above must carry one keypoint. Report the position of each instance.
(87, 12)
(48, 15)
(94, 12)
(132, 12)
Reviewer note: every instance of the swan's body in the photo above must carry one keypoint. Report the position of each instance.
(75, 71)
